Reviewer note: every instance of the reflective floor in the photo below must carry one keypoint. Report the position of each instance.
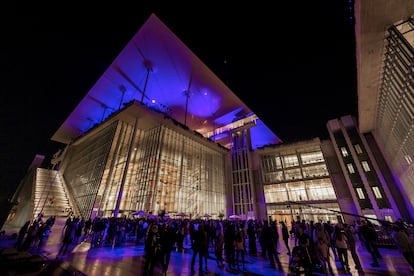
(129, 260)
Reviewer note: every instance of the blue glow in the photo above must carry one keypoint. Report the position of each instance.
(155, 68)
(229, 117)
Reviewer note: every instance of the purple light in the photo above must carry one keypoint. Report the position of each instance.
(156, 67)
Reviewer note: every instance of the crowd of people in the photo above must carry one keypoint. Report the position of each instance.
(316, 242)
(230, 240)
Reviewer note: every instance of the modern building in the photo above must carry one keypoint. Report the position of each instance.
(160, 132)
(385, 59)
(369, 181)
(296, 182)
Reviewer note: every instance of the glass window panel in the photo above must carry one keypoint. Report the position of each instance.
(350, 167)
(275, 193)
(360, 193)
(320, 189)
(293, 174)
(377, 192)
(315, 171)
(358, 148)
(297, 191)
(344, 152)
(311, 157)
(290, 161)
(365, 166)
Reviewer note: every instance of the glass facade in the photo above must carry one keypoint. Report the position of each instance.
(242, 188)
(122, 169)
(297, 184)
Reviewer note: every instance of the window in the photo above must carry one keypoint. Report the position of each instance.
(290, 161)
(408, 159)
(311, 157)
(344, 152)
(360, 193)
(358, 148)
(377, 192)
(351, 169)
(365, 166)
(315, 171)
(293, 174)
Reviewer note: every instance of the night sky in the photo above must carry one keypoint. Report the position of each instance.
(291, 62)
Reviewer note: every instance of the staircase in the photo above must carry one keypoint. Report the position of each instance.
(49, 195)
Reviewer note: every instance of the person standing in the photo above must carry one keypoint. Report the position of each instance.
(262, 242)
(153, 250)
(21, 235)
(204, 245)
(404, 244)
(322, 242)
(168, 239)
(303, 241)
(219, 245)
(275, 231)
(330, 228)
(369, 237)
(239, 247)
(31, 235)
(251, 233)
(196, 246)
(285, 236)
(200, 246)
(270, 239)
(350, 232)
(68, 237)
(229, 240)
(341, 244)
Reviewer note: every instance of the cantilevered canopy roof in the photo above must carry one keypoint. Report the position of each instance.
(157, 69)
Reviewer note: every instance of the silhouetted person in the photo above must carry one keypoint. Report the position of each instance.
(153, 250)
(404, 243)
(350, 232)
(285, 236)
(251, 234)
(239, 247)
(322, 242)
(270, 239)
(168, 239)
(219, 245)
(31, 235)
(229, 249)
(369, 237)
(21, 235)
(304, 243)
(341, 244)
(200, 245)
(68, 237)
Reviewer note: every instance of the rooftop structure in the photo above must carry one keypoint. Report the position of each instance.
(158, 70)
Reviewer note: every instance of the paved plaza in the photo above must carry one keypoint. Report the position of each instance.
(128, 260)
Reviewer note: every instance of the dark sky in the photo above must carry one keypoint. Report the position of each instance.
(291, 62)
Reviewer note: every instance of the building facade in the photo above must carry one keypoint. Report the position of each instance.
(373, 194)
(385, 40)
(124, 165)
(296, 182)
(159, 132)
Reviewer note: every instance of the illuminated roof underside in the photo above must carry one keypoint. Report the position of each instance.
(156, 68)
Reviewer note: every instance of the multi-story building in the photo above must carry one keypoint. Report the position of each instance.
(296, 182)
(367, 176)
(160, 132)
(385, 59)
